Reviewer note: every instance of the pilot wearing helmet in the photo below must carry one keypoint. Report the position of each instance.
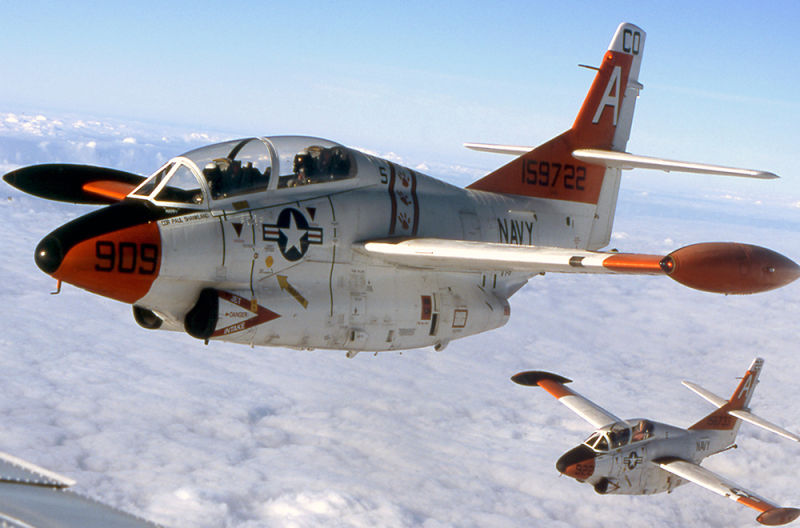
(214, 174)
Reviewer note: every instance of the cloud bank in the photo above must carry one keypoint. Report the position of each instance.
(190, 435)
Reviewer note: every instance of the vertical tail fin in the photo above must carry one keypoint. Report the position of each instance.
(603, 122)
(744, 392)
(721, 419)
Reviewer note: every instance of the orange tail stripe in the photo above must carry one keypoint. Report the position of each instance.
(634, 263)
(740, 394)
(556, 389)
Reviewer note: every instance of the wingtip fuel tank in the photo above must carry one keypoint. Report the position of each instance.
(730, 268)
(778, 516)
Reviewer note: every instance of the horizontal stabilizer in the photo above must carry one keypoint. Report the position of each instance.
(760, 422)
(514, 150)
(626, 161)
(737, 405)
(713, 398)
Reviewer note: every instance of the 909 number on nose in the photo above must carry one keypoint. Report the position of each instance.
(126, 257)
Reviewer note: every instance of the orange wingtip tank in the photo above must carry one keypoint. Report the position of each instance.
(730, 268)
(778, 516)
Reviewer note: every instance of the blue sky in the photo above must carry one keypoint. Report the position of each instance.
(418, 79)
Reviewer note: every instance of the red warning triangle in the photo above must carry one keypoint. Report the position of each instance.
(238, 228)
(262, 316)
(312, 212)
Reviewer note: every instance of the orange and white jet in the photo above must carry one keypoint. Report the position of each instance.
(641, 457)
(302, 242)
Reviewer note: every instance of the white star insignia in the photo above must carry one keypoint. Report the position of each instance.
(293, 235)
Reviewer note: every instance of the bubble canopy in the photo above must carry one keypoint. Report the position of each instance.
(233, 169)
(619, 434)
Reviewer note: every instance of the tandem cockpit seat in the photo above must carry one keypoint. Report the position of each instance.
(317, 164)
(234, 174)
(227, 177)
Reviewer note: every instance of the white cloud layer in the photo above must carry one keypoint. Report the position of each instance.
(190, 435)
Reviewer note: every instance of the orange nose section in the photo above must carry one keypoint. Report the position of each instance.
(121, 264)
(578, 462)
(581, 470)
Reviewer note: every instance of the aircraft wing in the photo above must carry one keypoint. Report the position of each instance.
(554, 384)
(83, 184)
(771, 514)
(465, 255)
(32, 497)
(719, 267)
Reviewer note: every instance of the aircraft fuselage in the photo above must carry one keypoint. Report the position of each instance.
(291, 251)
(626, 463)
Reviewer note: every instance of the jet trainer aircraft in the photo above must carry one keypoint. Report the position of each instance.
(642, 457)
(302, 242)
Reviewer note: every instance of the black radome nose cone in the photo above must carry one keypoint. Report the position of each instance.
(49, 255)
(573, 456)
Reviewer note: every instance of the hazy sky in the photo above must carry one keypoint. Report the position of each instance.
(227, 436)
(418, 78)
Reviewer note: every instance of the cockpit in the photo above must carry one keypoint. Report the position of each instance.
(620, 434)
(207, 176)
